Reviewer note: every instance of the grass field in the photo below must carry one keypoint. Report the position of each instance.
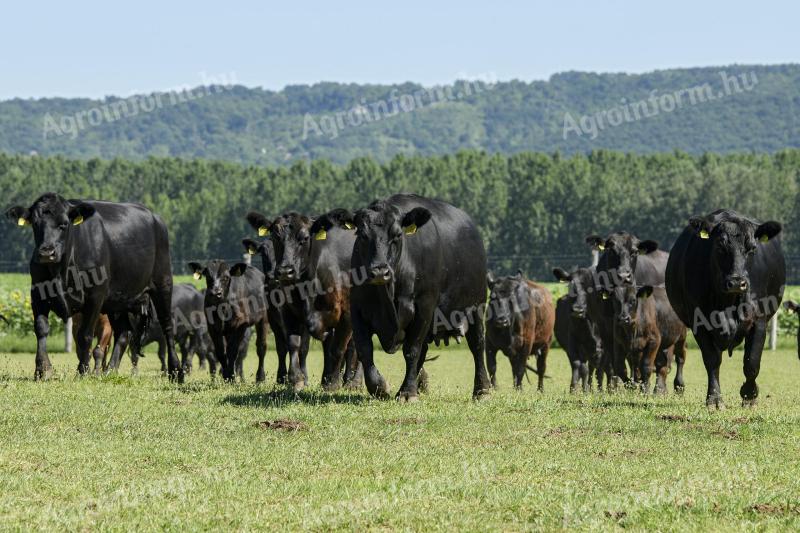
(133, 453)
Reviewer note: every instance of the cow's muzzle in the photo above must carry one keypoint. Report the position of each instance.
(736, 285)
(287, 273)
(47, 254)
(380, 275)
(579, 311)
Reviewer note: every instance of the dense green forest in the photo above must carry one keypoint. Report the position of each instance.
(341, 122)
(534, 209)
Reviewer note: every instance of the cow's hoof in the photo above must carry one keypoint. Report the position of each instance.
(407, 397)
(381, 391)
(749, 402)
(481, 394)
(353, 384)
(260, 378)
(43, 374)
(330, 386)
(715, 403)
(298, 386)
(679, 389)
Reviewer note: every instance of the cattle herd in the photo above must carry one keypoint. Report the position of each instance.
(410, 271)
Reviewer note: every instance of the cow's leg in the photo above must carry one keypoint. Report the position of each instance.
(241, 354)
(122, 331)
(412, 349)
(712, 359)
(305, 342)
(477, 345)
(753, 347)
(233, 341)
(162, 299)
(336, 350)
(184, 345)
(575, 363)
(376, 384)
(663, 366)
(219, 353)
(491, 363)
(679, 352)
(541, 365)
(84, 338)
(261, 348)
(282, 350)
(647, 365)
(296, 377)
(585, 376)
(353, 372)
(41, 326)
(422, 374)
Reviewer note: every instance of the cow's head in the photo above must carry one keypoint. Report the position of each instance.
(291, 239)
(218, 277)
(508, 296)
(267, 252)
(733, 241)
(579, 281)
(620, 253)
(51, 218)
(625, 300)
(381, 230)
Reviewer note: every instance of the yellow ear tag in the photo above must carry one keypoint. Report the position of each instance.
(411, 229)
(601, 247)
(197, 275)
(251, 251)
(22, 221)
(764, 238)
(78, 220)
(703, 234)
(348, 225)
(321, 235)
(263, 231)
(605, 295)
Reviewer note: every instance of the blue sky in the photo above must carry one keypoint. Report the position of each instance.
(94, 48)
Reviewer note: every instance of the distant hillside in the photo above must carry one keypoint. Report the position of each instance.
(693, 110)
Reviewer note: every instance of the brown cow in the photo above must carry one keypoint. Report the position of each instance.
(649, 333)
(103, 333)
(520, 323)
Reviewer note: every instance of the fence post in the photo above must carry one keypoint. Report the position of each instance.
(68, 335)
(773, 332)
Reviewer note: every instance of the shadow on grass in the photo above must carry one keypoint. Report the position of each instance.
(280, 396)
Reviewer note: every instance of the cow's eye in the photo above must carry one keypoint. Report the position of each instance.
(62, 226)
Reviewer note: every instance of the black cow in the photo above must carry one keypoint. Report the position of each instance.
(792, 307)
(625, 260)
(94, 257)
(290, 236)
(574, 331)
(649, 333)
(327, 309)
(419, 269)
(725, 280)
(234, 302)
(191, 330)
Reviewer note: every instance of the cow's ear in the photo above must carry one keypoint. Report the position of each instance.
(490, 279)
(80, 212)
(238, 269)
(252, 246)
(19, 215)
(197, 270)
(645, 291)
(768, 230)
(561, 275)
(701, 226)
(595, 241)
(342, 218)
(647, 247)
(415, 219)
(259, 222)
(790, 306)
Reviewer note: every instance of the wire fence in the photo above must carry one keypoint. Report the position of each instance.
(537, 267)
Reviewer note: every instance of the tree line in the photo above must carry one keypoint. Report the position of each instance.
(534, 209)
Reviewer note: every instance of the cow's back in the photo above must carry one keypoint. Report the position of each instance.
(542, 304)
(460, 246)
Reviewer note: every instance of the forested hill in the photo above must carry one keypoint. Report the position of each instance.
(693, 110)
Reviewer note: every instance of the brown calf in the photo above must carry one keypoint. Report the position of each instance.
(519, 322)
